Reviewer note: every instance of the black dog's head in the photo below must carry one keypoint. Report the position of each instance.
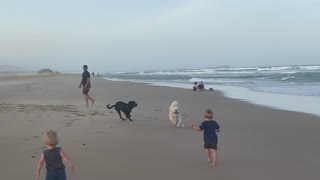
(132, 104)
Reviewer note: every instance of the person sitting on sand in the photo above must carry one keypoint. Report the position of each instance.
(53, 157)
(195, 86)
(201, 86)
(210, 128)
(85, 83)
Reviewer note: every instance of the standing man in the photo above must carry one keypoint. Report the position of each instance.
(86, 85)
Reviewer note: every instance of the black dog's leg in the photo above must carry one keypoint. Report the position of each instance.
(119, 112)
(129, 116)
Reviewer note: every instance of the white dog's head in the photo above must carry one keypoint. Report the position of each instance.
(175, 114)
(174, 108)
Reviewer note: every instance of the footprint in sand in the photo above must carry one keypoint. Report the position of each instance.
(158, 110)
(26, 140)
(102, 132)
(42, 147)
(69, 124)
(81, 115)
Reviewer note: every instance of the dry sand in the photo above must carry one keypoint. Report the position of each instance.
(255, 142)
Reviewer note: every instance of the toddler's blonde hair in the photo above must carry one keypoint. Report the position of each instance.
(51, 138)
(208, 114)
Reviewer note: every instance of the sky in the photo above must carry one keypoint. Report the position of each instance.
(127, 35)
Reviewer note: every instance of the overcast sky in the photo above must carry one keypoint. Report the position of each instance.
(124, 35)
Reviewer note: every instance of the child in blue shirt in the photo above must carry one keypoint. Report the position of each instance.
(210, 129)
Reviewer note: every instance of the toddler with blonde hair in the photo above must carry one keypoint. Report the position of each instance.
(210, 129)
(53, 157)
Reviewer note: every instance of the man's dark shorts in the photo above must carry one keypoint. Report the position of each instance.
(85, 91)
(211, 145)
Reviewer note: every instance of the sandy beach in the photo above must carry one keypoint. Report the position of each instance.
(255, 142)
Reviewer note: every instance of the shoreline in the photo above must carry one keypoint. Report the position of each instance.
(307, 104)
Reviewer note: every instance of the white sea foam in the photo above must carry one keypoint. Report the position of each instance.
(278, 101)
(317, 67)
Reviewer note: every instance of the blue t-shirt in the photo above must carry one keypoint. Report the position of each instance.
(209, 130)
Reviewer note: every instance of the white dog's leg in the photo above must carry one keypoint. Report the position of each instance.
(181, 122)
(178, 123)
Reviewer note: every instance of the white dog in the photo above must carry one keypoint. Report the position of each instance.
(175, 114)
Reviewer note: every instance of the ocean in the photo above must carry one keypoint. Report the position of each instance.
(292, 84)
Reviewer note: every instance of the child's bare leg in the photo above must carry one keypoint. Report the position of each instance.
(209, 154)
(215, 157)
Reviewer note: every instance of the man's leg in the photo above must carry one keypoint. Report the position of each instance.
(91, 99)
(86, 99)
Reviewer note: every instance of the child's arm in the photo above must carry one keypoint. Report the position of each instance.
(217, 127)
(66, 159)
(195, 127)
(39, 166)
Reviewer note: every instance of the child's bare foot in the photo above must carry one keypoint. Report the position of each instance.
(209, 161)
(214, 163)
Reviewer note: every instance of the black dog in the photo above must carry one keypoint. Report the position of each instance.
(124, 107)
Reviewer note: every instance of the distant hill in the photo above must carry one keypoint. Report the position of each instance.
(6, 68)
(48, 71)
(45, 71)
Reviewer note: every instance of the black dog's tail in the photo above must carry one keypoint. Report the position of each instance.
(110, 107)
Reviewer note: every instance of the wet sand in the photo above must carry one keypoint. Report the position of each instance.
(255, 142)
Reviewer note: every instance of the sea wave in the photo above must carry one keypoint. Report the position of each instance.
(269, 79)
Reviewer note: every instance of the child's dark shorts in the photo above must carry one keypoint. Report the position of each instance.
(56, 175)
(211, 145)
